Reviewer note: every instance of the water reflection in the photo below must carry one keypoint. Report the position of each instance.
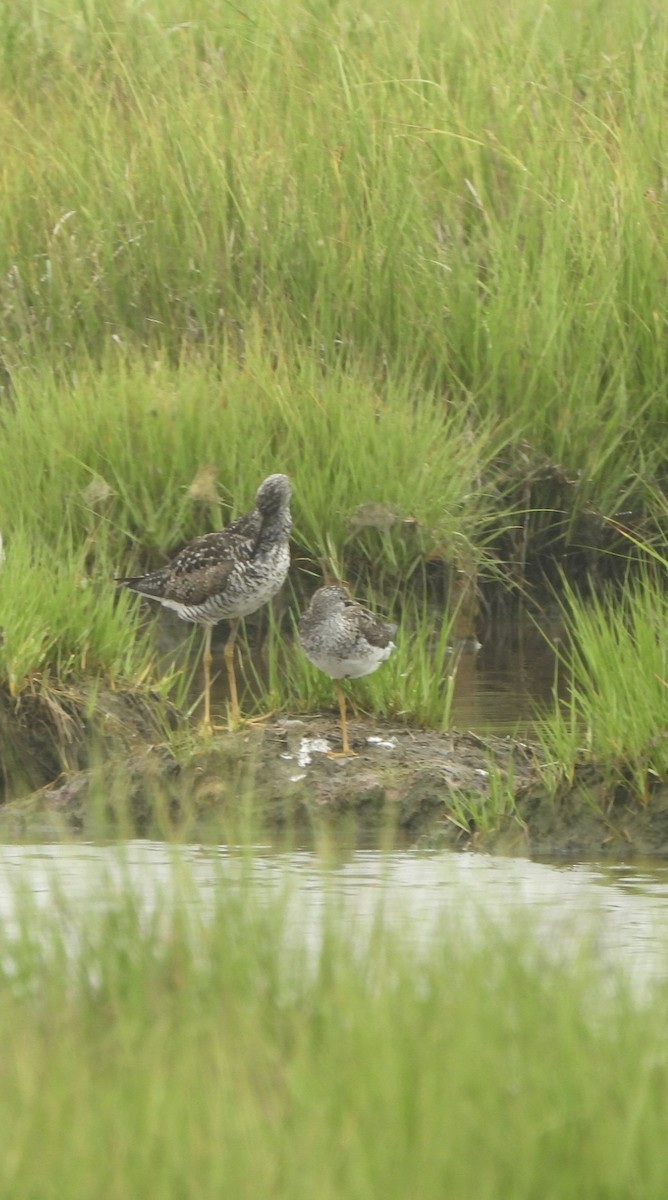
(619, 911)
(499, 687)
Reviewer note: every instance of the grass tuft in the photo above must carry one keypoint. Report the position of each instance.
(616, 711)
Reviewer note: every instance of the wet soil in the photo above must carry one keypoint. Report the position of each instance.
(105, 769)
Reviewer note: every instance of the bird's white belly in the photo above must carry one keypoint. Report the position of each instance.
(353, 668)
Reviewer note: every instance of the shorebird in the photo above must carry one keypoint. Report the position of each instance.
(345, 640)
(226, 576)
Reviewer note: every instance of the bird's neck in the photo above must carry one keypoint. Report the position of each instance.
(274, 529)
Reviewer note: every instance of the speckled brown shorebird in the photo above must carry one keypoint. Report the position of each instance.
(345, 640)
(226, 576)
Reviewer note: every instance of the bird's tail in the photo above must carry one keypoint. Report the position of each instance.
(146, 585)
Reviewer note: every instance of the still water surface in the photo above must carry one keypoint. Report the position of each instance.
(501, 686)
(619, 911)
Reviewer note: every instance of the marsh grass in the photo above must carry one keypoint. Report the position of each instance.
(54, 618)
(148, 1044)
(468, 199)
(414, 257)
(115, 472)
(616, 710)
(118, 453)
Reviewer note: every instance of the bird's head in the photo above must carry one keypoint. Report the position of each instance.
(273, 495)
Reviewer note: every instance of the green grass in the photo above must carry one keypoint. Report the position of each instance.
(56, 619)
(171, 1053)
(104, 478)
(616, 709)
(114, 455)
(468, 199)
(414, 257)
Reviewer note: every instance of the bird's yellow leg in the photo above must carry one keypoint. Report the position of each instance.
(345, 751)
(234, 718)
(233, 709)
(206, 662)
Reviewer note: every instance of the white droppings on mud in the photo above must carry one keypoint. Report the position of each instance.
(479, 771)
(287, 757)
(297, 778)
(382, 743)
(309, 746)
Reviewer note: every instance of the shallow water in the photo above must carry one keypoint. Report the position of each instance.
(618, 912)
(500, 687)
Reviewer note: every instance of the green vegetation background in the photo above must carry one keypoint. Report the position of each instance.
(414, 255)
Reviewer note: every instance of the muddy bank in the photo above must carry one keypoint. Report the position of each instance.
(52, 730)
(112, 773)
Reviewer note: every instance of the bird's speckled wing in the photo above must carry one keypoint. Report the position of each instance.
(204, 566)
(376, 632)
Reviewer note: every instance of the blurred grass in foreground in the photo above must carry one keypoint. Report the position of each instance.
(152, 1051)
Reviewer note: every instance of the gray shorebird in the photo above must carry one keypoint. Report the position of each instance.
(345, 640)
(226, 576)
